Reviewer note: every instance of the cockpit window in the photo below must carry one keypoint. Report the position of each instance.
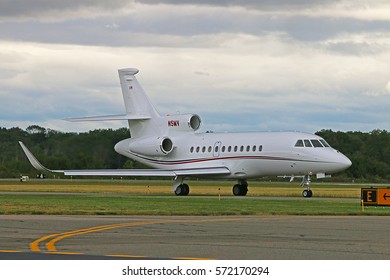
(307, 143)
(299, 143)
(316, 143)
(324, 143)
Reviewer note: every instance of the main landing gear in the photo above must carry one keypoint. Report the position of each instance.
(241, 188)
(179, 187)
(306, 184)
(182, 189)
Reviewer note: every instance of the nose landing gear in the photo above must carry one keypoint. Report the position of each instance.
(306, 184)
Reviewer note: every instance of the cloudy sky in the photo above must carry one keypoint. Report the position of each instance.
(241, 65)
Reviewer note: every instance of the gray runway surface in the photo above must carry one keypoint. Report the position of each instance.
(227, 237)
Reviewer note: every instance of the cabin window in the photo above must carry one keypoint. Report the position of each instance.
(223, 149)
(241, 148)
(209, 149)
(203, 149)
(260, 148)
(191, 150)
(299, 143)
(248, 148)
(197, 149)
(235, 148)
(254, 148)
(316, 143)
(307, 143)
(229, 149)
(324, 143)
(216, 149)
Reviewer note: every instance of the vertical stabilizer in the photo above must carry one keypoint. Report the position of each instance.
(143, 118)
(136, 101)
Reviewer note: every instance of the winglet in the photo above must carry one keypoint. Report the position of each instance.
(34, 162)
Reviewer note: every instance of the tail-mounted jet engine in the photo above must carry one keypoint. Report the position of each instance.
(186, 122)
(153, 146)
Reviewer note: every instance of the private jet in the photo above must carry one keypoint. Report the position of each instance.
(173, 147)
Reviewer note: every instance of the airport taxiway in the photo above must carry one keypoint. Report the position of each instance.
(199, 237)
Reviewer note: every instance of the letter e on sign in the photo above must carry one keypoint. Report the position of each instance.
(369, 196)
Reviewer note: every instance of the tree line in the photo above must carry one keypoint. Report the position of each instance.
(368, 151)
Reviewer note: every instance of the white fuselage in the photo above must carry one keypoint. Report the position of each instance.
(246, 155)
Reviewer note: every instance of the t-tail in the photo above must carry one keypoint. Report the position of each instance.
(142, 117)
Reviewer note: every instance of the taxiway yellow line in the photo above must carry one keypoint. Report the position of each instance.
(34, 246)
(194, 259)
(51, 244)
(52, 239)
(10, 251)
(127, 256)
(64, 253)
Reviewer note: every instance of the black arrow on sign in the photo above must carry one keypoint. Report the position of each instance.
(385, 196)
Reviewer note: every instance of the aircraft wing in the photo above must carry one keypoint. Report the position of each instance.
(149, 172)
(127, 172)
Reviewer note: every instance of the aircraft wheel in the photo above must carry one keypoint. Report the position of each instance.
(240, 190)
(237, 189)
(307, 193)
(178, 190)
(182, 190)
(186, 189)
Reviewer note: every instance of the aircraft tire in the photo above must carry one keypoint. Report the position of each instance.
(307, 193)
(240, 190)
(186, 189)
(182, 190)
(237, 189)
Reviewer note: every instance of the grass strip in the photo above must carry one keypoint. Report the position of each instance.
(84, 204)
(164, 187)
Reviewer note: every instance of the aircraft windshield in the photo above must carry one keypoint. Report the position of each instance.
(324, 143)
(316, 143)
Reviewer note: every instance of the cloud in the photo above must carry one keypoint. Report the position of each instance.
(358, 9)
(387, 88)
(242, 65)
(57, 10)
(122, 23)
(277, 79)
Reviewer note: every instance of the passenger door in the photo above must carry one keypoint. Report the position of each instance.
(217, 148)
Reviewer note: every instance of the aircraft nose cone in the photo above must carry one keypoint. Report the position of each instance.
(344, 162)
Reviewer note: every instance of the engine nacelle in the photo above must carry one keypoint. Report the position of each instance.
(153, 146)
(186, 122)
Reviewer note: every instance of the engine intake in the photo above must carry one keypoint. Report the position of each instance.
(195, 122)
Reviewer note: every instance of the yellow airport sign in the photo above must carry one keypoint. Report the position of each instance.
(375, 196)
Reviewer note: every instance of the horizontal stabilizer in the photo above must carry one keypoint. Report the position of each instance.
(122, 117)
